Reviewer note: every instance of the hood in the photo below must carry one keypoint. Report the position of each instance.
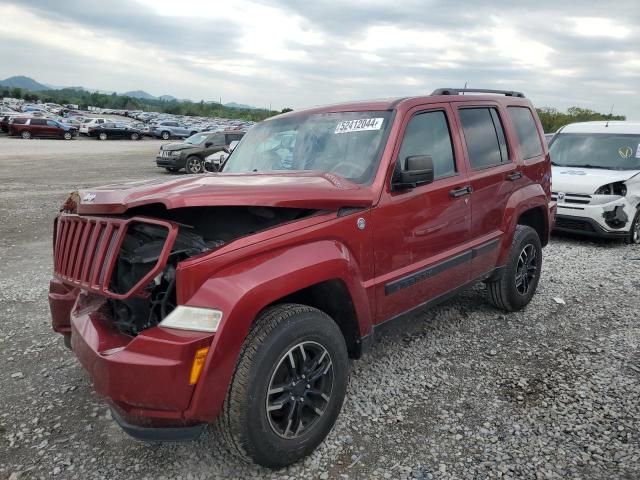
(177, 146)
(314, 190)
(586, 180)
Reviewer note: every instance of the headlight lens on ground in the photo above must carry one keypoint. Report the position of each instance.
(193, 318)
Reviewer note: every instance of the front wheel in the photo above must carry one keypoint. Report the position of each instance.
(26, 135)
(135, 136)
(102, 136)
(165, 135)
(68, 136)
(518, 281)
(193, 165)
(634, 232)
(288, 386)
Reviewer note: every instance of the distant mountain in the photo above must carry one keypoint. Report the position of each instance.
(140, 94)
(240, 105)
(27, 83)
(20, 81)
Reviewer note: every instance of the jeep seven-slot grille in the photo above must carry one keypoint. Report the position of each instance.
(86, 250)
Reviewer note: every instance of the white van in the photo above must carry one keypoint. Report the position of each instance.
(596, 179)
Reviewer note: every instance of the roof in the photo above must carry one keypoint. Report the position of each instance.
(614, 126)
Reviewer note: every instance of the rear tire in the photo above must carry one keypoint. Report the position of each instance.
(26, 135)
(194, 165)
(102, 136)
(165, 135)
(135, 136)
(634, 232)
(68, 136)
(518, 282)
(263, 417)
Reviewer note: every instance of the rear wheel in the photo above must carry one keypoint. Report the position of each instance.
(518, 281)
(194, 165)
(135, 136)
(634, 232)
(68, 136)
(165, 135)
(103, 136)
(288, 386)
(26, 135)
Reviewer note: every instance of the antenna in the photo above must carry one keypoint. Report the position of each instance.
(610, 114)
(465, 86)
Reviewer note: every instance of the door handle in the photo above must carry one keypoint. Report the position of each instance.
(460, 192)
(514, 176)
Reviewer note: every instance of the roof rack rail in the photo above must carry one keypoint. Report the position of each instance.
(458, 91)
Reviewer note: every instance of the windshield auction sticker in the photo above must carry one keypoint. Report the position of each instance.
(360, 125)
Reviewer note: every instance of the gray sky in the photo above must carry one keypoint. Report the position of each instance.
(293, 53)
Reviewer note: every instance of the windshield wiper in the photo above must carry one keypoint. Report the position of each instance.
(583, 166)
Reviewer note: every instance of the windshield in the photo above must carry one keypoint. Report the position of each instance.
(348, 144)
(196, 139)
(596, 150)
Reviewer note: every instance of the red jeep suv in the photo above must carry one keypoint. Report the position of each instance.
(237, 297)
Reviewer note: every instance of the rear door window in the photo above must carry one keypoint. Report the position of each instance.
(38, 121)
(484, 136)
(528, 137)
(428, 134)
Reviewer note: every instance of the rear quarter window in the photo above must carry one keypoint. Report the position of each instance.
(527, 133)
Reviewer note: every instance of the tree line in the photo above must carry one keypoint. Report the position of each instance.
(552, 119)
(85, 99)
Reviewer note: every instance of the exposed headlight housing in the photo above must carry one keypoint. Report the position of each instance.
(617, 188)
(193, 318)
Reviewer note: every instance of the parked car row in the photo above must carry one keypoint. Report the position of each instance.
(191, 154)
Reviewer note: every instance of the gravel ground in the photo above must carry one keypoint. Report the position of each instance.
(457, 392)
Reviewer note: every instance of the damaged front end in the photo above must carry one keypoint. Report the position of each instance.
(131, 260)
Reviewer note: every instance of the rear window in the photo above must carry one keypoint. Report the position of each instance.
(484, 136)
(528, 138)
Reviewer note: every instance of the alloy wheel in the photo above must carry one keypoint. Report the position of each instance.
(636, 231)
(527, 269)
(194, 165)
(299, 390)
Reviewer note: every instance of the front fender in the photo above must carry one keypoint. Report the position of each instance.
(244, 288)
(526, 198)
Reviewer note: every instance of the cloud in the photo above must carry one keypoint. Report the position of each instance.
(298, 54)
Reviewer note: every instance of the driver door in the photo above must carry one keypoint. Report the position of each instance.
(421, 234)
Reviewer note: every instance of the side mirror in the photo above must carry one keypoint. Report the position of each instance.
(208, 144)
(418, 171)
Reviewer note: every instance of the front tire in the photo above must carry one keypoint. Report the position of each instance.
(165, 135)
(193, 165)
(288, 387)
(68, 136)
(102, 136)
(634, 231)
(26, 135)
(135, 136)
(517, 284)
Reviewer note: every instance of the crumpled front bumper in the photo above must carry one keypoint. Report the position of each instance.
(611, 219)
(145, 378)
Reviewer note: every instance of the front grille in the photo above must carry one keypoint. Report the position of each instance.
(86, 250)
(574, 224)
(576, 198)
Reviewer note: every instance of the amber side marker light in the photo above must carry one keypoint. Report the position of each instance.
(198, 362)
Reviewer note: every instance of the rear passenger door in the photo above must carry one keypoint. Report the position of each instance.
(421, 234)
(492, 175)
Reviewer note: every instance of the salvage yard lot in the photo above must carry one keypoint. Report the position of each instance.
(460, 391)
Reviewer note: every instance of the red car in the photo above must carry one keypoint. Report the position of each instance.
(32, 127)
(237, 298)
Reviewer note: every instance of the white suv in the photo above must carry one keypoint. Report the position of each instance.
(90, 123)
(596, 179)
